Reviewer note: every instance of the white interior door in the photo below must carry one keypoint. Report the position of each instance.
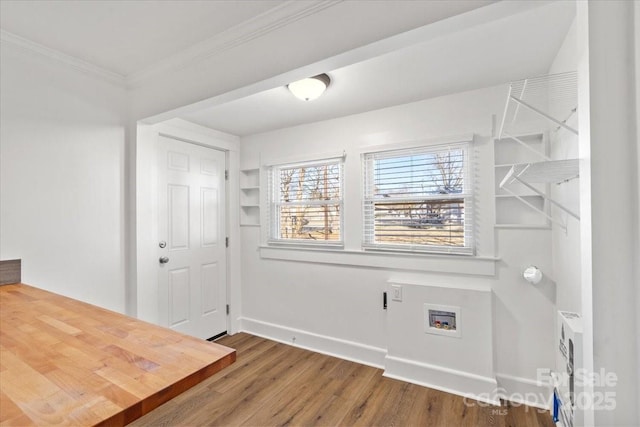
(191, 219)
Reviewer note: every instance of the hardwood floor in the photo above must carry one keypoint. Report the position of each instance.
(274, 384)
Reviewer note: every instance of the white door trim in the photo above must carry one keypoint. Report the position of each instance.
(146, 225)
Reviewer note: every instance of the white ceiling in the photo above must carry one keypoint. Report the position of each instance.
(126, 36)
(132, 37)
(495, 52)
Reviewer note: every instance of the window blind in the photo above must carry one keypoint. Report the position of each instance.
(419, 200)
(306, 202)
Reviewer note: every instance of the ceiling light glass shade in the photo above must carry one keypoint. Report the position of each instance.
(310, 88)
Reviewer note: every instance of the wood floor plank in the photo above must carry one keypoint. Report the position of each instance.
(273, 384)
(303, 399)
(427, 409)
(249, 366)
(259, 390)
(379, 405)
(236, 340)
(352, 378)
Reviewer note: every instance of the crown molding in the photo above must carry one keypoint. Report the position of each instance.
(78, 64)
(284, 14)
(258, 26)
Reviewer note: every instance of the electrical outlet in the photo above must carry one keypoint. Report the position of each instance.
(396, 292)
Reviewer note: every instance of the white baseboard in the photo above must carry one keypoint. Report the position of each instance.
(471, 386)
(336, 347)
(525, 391)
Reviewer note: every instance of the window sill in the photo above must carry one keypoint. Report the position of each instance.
(457, 264)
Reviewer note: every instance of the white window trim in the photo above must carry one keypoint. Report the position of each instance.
(420, 262)
(468, 195)
(272, 204)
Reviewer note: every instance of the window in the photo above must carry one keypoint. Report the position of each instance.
(418, 200)
(306, 203)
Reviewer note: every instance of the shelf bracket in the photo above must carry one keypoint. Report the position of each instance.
(540, 193)
(527, 146)
(524, 88)
(543, 114)
(504, 114)
(535, 208)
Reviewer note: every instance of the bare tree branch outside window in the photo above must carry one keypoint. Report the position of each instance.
(417, 198)
(309, 202)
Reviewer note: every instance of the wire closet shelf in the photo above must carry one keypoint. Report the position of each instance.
(554, 99)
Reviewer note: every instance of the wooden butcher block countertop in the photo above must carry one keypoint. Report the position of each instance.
(65, 362)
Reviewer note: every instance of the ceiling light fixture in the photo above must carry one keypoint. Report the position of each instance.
(310, 88)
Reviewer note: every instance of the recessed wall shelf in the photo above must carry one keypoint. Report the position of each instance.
(520, 226)
(250, 197)
(511, 212)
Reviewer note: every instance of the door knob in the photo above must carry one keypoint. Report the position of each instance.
(163, 260)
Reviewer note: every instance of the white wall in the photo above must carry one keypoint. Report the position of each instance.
(564, 145)
(62, 146)
(461, 363)
(608, 149)
(637, 220)
(343, 301)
